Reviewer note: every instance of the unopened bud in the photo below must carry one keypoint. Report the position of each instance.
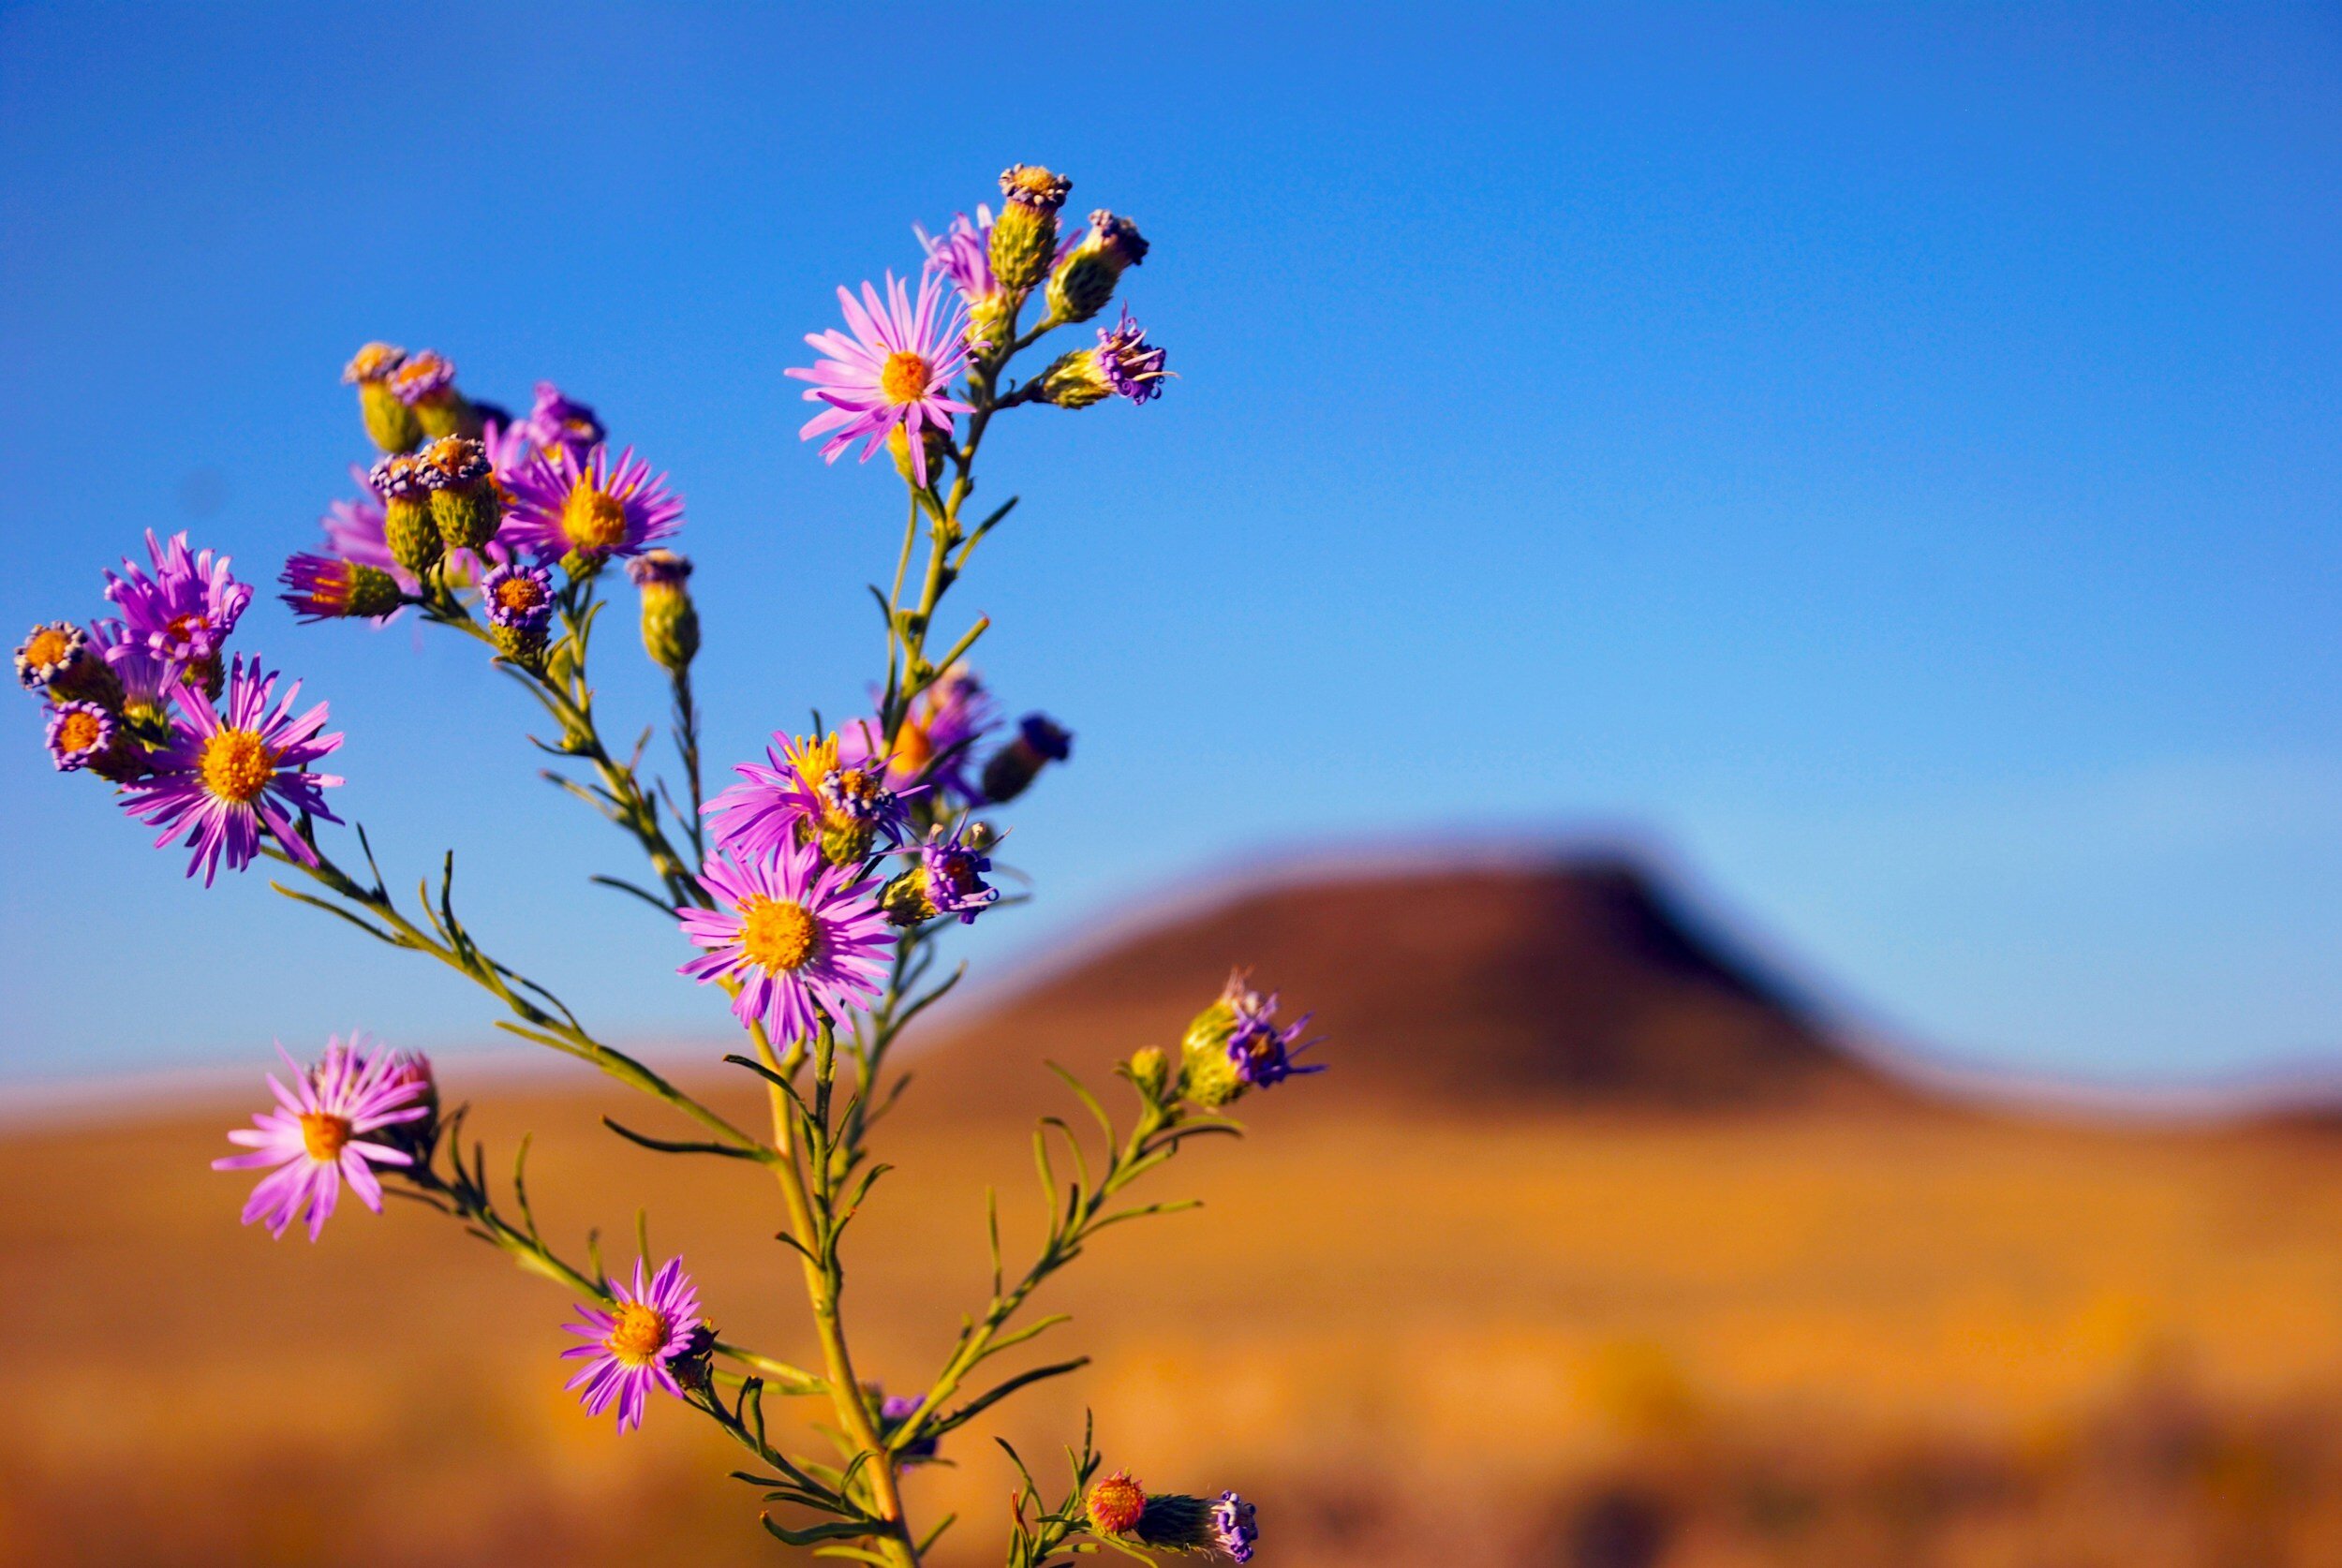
(671, 623)
(464, 502)
(408, 530)
(1085, 281)
(1024, 236)
(1011, 770)
(1149, 1071)
(906, 900)
(935, 443)
(1115, 1504)
(846, 841)
(426, 382)
(390, 423)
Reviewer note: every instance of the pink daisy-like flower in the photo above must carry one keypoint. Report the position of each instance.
(317, 1136)
(223, 778)
(188, 608)
(562, 502)
(635, 1347)
(795, 934)
(896, 369)
(936, 737)
(807, 787)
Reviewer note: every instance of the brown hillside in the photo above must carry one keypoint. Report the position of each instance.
(1562, 981)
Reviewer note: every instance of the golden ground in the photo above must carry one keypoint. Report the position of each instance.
(1884, 1337)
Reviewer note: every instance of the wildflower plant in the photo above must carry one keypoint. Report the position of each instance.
(817, 893)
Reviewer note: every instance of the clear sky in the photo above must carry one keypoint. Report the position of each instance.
(1886, 463)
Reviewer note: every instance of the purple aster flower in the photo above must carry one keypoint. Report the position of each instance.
(518, 597)
(807, 790)
(560, 421)
(1232, 1527)
(563, 502)
(635, 1347)
(223, 779)
(1130, 368)
(188, 608)
(951, 874)
(1261, 1053)
(420, 375)
(317, 1136)
(896, 1409)
(896, 370)
(795, 932)
(149, 680)
(79, 734)
(936, 737)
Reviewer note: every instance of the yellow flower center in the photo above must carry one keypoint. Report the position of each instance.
(779, 935)
(904, 377)
(47, 646)
(237, 764)
(593, 519)
(322, 1135)
(77, 732)
(517, 594)
(638, 1336)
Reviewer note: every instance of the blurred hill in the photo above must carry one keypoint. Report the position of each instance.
(1573, 981)
(1595, 1250)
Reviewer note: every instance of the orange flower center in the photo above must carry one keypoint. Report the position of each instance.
(518, 594)
(47, 646)
(638, 1336)
(593, 519)
(78, 732)
(912, 750)
(236, 764)
(905, 377)
(1116, 1503)
(322, 1135)
(779, 935)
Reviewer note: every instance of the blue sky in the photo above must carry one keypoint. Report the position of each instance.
(1884, 463)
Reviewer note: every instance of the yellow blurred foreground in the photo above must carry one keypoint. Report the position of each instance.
(1888, 1335)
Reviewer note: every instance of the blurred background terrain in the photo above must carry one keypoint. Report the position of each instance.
(1595, 1249)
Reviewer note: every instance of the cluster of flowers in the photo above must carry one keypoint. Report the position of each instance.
(198, 747)
(832, 857)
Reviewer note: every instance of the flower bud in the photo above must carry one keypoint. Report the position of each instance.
(390, 424)
(426, 382)
(896, 1409)
(1086, 279)
(1174, 1522)
(905, 901)
(1011, 770)
(1024, 236)
(419, 1137)
(1115, 1504)
(845, 840)
(56, 661)
(671, 624)
(694, 1364)
(1149, 1071)
(464, 502)
(1123, 364)
(936, 442)
(326, 588)
(519, 602)
(408, 531)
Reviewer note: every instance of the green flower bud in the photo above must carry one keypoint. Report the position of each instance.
(671, 624)
(845, 841)
(521, 641)
(464, 502)
(410, 533)
(1149, 1071)
(390, 423)
(906, 900)
(1085, 281)
(938, 444)
(1206, 1074)
(1024, 236)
